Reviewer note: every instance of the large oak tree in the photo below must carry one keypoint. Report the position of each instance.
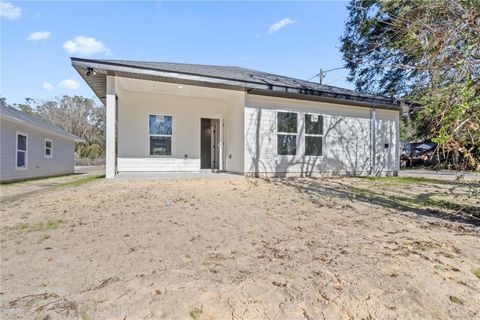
(427, 52)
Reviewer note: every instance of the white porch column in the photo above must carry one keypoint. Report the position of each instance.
(110, 130)
(221, 162)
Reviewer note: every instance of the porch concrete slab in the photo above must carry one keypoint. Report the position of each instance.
(176, 175)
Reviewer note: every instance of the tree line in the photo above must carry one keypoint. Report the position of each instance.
(83, 117)
(427, 52)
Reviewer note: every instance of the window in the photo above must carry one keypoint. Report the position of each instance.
(48, 148)
(313, 134)
(160, 135)
(287, 128)
(21, 153)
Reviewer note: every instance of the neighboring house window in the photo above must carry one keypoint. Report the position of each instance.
(313, 134)
(48, 148)
(160, 135)
(21, 156)
(287, 130)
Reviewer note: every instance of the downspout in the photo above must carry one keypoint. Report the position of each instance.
(373, 139)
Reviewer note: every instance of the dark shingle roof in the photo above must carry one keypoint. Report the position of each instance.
(253, 81)
(21, 117)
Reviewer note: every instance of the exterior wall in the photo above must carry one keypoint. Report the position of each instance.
(346, 142)
(387, 158)
(61, 162)
(234, 137)
(249, 132)
(137, 99)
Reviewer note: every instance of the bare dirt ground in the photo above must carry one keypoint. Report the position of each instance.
(337, 248)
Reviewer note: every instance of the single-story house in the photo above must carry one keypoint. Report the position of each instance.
(188, 117)
(32, 148)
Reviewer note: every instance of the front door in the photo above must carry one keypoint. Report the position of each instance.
(209, 141)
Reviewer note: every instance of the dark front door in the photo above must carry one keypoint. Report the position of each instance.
(206, 144)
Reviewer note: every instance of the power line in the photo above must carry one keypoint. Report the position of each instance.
(323, 73)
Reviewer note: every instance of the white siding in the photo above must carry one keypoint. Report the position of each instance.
(61, 162)
(346, 143)
(249, 131)
(137, 99)
(387, 132)
(234, 137)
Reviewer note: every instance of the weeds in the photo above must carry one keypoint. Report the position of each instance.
(476, 272)
(81, 181)
(196, 313)
(455, 299)
(42, 316)
(404, 180)
(422, 201)
(50, 224)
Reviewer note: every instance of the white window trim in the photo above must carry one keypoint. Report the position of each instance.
(19, 133)
(51, 149)
(159, 135)
(286, 133)
(314, 135)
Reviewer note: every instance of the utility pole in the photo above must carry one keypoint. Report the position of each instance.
(323, 73)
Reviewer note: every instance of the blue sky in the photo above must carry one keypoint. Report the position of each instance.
(288, 38)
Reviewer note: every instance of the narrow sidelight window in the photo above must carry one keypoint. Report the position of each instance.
(287, 130)
(313, 134)
(21, 156)
(160, 135)
(48, 148)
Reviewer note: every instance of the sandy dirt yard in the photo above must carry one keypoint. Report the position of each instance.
(330, 248)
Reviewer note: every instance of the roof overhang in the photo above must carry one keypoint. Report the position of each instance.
(7, 117)
(98, 83)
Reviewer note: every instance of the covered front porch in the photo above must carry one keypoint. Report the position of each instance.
(156, 126)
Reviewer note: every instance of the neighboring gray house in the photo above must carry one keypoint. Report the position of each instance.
(187, 117)
(31, 147)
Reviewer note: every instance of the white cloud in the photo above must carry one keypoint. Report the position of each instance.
(69, 84)
(10, 11)
(39, 35)
(47, 86)
(280, 24)
(85, 46)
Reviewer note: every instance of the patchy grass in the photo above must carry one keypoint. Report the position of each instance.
(50, 224)
(196, 313)
(455, 299)
(476, 272)
(404, 180)
(42, 316)
(26, 180)
(421, 201)
(82, 181)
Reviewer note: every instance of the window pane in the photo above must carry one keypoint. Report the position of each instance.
(160, 125)
(20, 159)
(287, 122)
(48, 152)
(160, 146)
(286, 144)
(313, 146)
(22, 142)
(48, 144)
(313, 124)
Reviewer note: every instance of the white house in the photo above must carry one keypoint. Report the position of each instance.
(185, 117)
(32, 148)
